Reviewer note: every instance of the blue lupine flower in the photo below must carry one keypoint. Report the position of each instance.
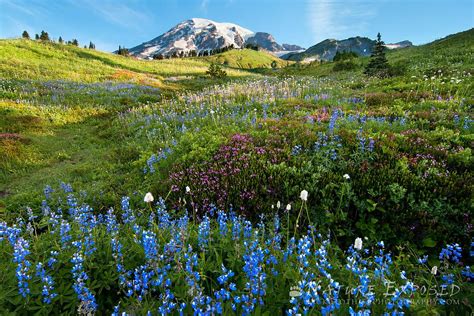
(64, 231)
(47, 192)
(452, 252)
(127, 212)
(149, 244)
(468, 274)
(85, 296)
(66, 187)
(204, 232)
(48, 284)
(423, 260)
(20, 252)
(222, 220)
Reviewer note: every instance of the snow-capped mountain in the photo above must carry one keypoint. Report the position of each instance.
(326, 50)
(205, 35)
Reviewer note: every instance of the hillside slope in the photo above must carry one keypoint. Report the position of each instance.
(247, 59)
(27, 59)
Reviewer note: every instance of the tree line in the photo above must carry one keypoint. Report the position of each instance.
(44, 37)
(191, 53)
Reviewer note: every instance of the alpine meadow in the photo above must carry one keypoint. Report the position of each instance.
(215, 171)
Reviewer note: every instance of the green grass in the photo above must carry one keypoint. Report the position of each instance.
(69, 139)
(247, 59)
(27, 59)
(449, 58)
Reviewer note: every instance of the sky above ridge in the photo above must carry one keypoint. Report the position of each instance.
(110, 23)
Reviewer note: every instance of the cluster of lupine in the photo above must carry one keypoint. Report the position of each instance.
(150, 168)
(260, 258)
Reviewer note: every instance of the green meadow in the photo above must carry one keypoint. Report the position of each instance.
(270, 172)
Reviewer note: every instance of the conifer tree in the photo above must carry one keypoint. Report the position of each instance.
(60, 40)
(122, 51)
(91, 45)
(25, 35)
(44, 36)
(378, 65)
(75, 42)
(37, 37)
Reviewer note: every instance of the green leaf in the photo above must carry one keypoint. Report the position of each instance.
(428, 242)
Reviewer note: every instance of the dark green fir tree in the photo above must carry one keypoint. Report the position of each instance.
(378, 65)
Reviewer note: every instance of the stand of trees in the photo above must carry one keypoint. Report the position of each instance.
(194, 53)
(123, 51)
(344, 55)
(44, 37)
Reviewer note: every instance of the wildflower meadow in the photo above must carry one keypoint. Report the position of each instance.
(297, 190)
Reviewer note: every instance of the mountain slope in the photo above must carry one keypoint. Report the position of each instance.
(326, 49)
(202, 35)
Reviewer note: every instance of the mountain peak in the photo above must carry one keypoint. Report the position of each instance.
(199, 34)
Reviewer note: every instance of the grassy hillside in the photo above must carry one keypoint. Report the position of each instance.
(27, 59)
(247, 59)
(443, 67)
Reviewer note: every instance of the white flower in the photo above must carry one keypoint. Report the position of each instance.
(295, 291)
(346, 176)
(288, 207)
(358, 243)
(304, 195)
(148, 198)
(212, 112)
(188, 189)
(278, 205)
(434, 270)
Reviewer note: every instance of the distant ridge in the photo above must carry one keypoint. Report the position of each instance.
(326, 50)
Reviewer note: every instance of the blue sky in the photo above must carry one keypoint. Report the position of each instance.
(109, 23)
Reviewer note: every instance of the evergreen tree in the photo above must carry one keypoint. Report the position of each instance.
(60, 40)
(378, 65)
(44, 36)
(37, 37)
(122, 51)
(75, 42)
(215, 71)
(274, 64)
(25, 35)
(91, 45)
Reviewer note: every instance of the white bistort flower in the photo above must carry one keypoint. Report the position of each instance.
(278, 205)
(434, 270)
(288, 207)
(148, 198)
(188, 189)
(304, 195)
(346, 176)
(358, 243)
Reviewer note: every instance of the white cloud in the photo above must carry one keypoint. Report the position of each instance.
(31, 9)
(336, 19)
(204, 5)
(116, 13)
